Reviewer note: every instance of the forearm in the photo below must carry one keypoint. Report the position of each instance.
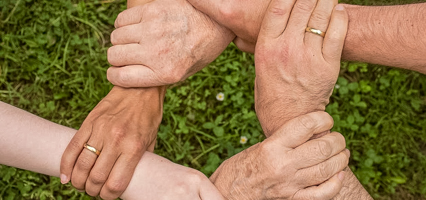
(387, 35)
(32, 143)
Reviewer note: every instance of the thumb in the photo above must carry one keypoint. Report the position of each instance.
(298, 130)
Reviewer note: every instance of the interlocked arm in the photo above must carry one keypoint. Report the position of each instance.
(386, 35)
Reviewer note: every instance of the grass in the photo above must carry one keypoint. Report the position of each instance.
(53, 63)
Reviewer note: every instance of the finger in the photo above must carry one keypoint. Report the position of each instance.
(276, 17)
(120, 176)
(326, 190)
(129, 54)
(85, 162)
(299, 17)
(323, 171)
(127, 34)
(318, 150)
(73, 150)
(100, 171)
(82, 168)
(298, 130)
(335, 36)
(133, 76)
(130, 16)
(319, 20)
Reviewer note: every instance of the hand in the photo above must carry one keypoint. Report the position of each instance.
(287, 165)
(157, 178)
(122, 127)
(243, 21)
(161, 43)
(296, 70)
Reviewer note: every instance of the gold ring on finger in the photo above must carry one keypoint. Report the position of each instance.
(315, 31)
(92, 149)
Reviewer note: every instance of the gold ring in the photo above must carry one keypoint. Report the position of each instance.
(315, 31)
(92, 149)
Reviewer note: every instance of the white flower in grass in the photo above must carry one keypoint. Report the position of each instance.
(220, 96)
(243, 139)
(337, 86)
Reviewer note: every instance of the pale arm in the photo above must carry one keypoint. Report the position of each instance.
(32, 143)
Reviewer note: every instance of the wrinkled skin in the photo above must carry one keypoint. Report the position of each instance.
(287, 165)
(122, 126)
(161, 43)
(296, 70)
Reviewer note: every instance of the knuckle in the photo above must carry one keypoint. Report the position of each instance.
(122, 77)
(75, 145)
(323, 147)
(78, 184)
(115, 188)
(266, 148)
(320, 16)
(118, 134)
(227, 11)
(278, 9)
(97, 178)
(339, 139)
(136, 149)
(171, 78)
(196, 176)
(305, 6)
(308, 122)
(324, 171)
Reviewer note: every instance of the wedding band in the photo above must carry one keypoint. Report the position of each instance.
(315, 31)
(92, 149)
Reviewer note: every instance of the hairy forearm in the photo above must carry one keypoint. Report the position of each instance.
(387, 35)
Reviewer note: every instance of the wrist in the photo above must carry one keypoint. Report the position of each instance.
(275, 111)
(235, 174)
(155, 93)
(352, 188)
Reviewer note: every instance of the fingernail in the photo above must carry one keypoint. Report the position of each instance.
(341, 175)
(64, 179)
(340, 7)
